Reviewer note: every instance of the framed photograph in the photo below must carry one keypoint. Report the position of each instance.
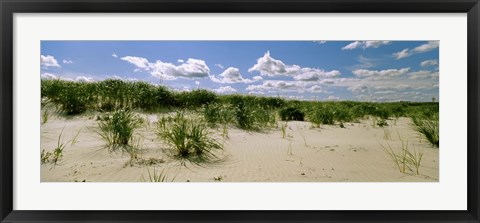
(231, 111)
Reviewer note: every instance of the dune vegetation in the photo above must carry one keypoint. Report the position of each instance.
(188, 118)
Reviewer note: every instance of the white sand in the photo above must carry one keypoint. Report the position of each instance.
(329, 153)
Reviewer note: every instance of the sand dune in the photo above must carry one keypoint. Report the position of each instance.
(325, 154)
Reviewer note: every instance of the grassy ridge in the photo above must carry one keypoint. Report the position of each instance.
(243, 111)
(73, 98)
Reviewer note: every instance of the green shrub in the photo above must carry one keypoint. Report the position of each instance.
(291, 113)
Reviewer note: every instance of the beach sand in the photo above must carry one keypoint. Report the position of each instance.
(306, 154)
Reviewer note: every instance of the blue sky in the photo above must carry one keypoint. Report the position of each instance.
(305, 70)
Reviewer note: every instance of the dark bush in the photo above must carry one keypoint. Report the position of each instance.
(291, 113)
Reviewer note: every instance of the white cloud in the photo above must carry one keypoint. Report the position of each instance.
(114, 55)
(402, 54)
(48, 76)
(315, 74)
(257, 78)
(67, 61)
(429, 46)
(332, 98)
(84, 79)
(268, 66)
(388, 84)
(225, 90)
(137, 61)
(122, 78)
(180, 61)
(380, 73)
(352, 45)
(192, 68)
(365, 44)
(232, 75)
(219, 66)
(197, 83)
(274, 85)
(423, 74)
(278, 85)
(48, 61)
(375, 44)
(320, 41)
(427, 63)
(256, 92)
(316, 89)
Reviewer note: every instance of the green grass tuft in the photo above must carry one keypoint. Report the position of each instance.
(428, 127)
(188, 139)
(117, 128)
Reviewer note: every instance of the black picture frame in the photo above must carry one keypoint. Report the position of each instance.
(9, 7)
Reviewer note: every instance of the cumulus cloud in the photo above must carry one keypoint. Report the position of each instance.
(180, 61)
(114, 55)
(67, 61)
(84, 79)
(48, 61)
(380, 73)
(316, 89)
(268, 66)
(365, 44)
(429, 46)
(139, 62)
(427, 63)
(225, 90)
(314, 75)
(219, 66)
(48, 76)
(192, 68)
(423, 74)
(232, 75)
(279, 85)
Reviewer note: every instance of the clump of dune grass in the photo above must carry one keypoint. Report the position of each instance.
(157, 176)
(216, 114)
(406, 159)
(117, 128)
(75, 138)
(45, 116)
(428, 127)
(189, 140)
(56, 155)
(45, 157)
(322, 115)
(252, 117)
(219, 178)
(382, 123)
